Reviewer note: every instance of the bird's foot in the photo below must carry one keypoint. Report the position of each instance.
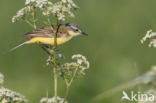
(54, 48)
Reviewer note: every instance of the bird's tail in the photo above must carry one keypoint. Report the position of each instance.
(12, 49)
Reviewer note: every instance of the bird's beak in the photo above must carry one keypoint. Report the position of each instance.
(83, 33)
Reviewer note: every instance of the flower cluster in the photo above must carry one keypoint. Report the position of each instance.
(52, 100)
(150, 35)
(8, 96)
(21, 13)
(74, 69)
(38, 3)
(1, 79)
(81, 60)
(60, 9)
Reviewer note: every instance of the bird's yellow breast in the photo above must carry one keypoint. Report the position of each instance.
(49, 41)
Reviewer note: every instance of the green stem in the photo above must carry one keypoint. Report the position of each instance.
(66, 95)
(54, 60)
(34, 21)
(28, 22)
(69, 84)
(55, 84)
(49, 21)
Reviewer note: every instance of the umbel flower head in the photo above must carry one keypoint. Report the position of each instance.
(150, 35)
(60, 9)
(8, 96)
(74, 69)
(52, 100)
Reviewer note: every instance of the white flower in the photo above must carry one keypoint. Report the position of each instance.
(61, 9)
(27, 2)
(149, 32)
(81, 60)
(79, 56)
(52, 100)
(152, 43)
(8, 96)
(41, 3)
(72, 4)
(87, 64)
(1, 78)
(21, 13)
(64, 1)
(61, 17)
(150, 35)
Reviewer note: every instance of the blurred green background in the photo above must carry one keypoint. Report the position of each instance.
(113, 48)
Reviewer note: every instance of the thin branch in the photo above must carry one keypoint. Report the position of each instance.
(69, 84)
(34, 21)
(66, 95)
(28, 22)
(54, 60)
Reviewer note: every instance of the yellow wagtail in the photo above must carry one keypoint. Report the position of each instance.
(45, 35)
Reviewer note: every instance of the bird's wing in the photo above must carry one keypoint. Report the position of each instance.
(41, 32)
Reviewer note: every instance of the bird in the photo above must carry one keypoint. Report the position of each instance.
(45, 35)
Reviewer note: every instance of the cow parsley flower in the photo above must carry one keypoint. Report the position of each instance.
(8, 96)
(79, 56)
(30, 6)
(29, 1)
(150, 35)
(81, 60)
(74, 69)
(61, 9)
(52, 100)
(21, 13)
(38, 3)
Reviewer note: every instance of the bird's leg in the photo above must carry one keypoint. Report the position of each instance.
(54, 48)
(46, 49)
(50, 48)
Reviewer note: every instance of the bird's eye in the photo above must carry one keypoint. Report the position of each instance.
(76, 30)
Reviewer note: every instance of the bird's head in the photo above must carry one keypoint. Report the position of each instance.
(74, 30)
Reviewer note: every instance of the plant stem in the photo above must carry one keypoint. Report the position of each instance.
(55, 83)
(34, 21)
(66, 95)
(54, 60)
(29, 23)
(69, 84)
